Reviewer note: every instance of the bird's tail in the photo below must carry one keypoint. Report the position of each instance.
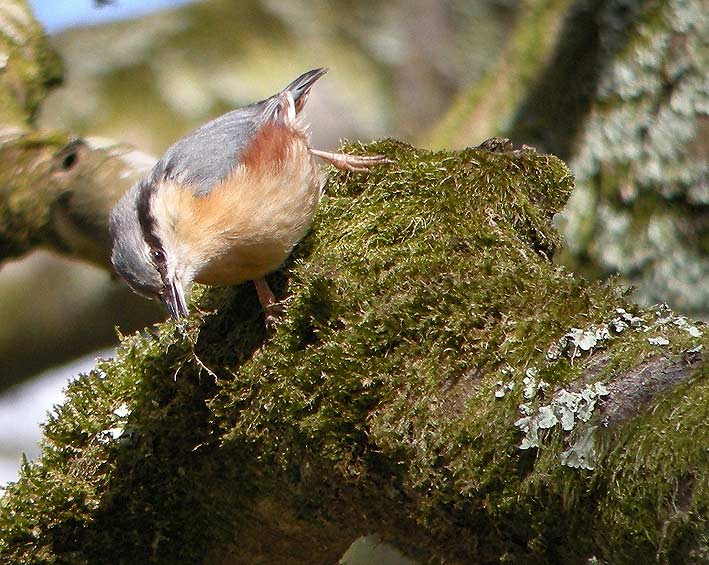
(299, 89)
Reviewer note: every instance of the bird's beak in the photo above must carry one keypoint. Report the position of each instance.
(174, 299)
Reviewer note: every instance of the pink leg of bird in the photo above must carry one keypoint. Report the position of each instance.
(272, 309)
(356, 163)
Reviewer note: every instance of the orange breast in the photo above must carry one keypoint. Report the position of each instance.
(247, 225)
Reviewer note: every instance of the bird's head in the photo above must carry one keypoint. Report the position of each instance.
(151, 266)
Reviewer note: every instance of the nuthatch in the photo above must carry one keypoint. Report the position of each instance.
(225, 204)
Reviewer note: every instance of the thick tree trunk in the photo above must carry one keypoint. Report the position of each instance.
(436, 380)
(619, 90)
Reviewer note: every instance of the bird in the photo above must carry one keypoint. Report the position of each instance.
(227, 203)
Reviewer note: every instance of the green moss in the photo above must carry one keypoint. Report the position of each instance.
(28, 65)
(372, 406)
(658, 491)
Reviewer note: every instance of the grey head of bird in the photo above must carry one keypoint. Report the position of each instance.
(139, 256)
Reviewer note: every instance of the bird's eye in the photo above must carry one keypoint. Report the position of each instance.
(158, 256)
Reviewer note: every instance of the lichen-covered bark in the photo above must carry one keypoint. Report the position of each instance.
(619, 90)
(641, 161)
(427, 334)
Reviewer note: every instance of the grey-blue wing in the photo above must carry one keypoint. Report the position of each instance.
(206, 156)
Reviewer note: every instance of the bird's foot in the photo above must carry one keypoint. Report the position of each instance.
(273, 315)
(355, 163)
(273, 310)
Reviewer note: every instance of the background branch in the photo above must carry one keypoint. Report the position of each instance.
(56, 190)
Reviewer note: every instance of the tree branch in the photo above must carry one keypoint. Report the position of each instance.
(55, 190)
(427, 384)
(436, 379)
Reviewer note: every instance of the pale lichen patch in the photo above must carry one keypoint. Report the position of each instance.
(578, 341)
(582, 454)
(565, 409)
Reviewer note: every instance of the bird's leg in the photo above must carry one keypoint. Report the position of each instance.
(272, 309)
(356, 163)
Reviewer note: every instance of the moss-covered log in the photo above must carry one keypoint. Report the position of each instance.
(436, 379)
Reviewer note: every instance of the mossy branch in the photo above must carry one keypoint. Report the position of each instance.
(436, 379)
(55, 190)
(427, 339)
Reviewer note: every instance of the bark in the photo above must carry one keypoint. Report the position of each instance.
(56, 192)
(618, 89)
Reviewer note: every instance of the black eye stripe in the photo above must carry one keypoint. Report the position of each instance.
(148, 227)
(145, 218)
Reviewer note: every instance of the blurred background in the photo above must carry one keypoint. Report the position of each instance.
(618, 88)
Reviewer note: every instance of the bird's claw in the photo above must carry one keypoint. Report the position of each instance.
(273, 310)
(273, 315)
(354, 163)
